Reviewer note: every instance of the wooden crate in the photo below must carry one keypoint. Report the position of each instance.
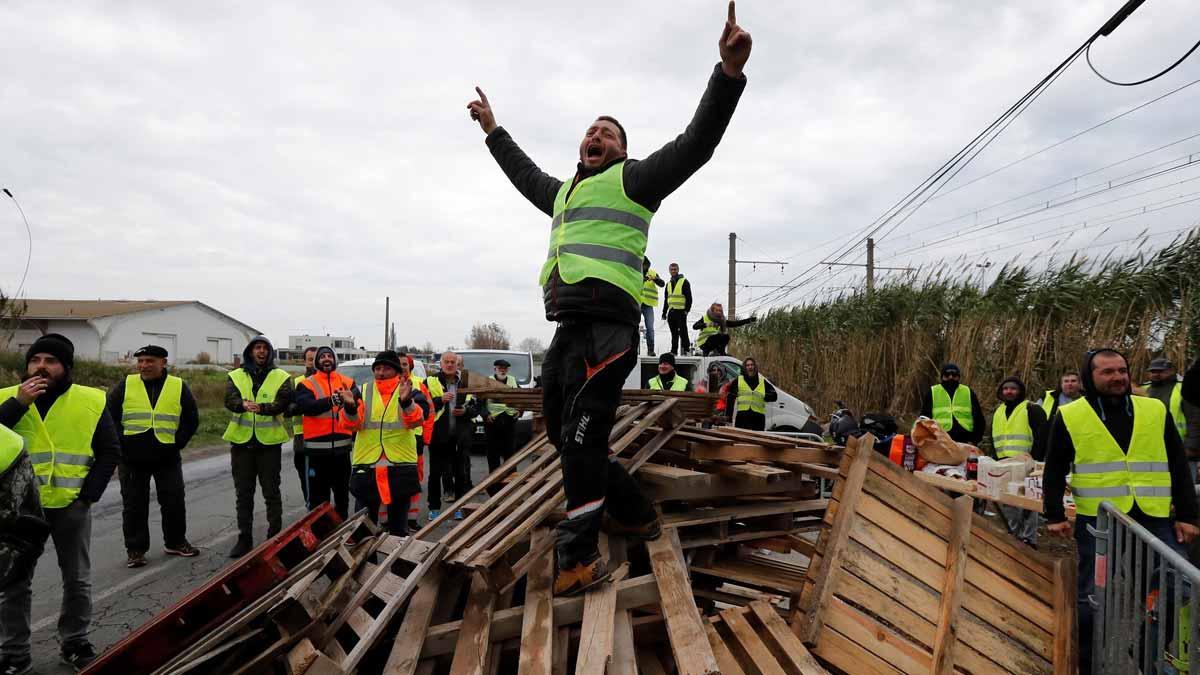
(907, 580)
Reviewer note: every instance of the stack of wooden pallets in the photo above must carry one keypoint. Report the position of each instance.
(756, 572)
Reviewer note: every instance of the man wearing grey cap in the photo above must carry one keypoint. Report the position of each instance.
(156, 416)
(1165, 386)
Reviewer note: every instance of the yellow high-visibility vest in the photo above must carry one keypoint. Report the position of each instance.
(269, 430)
(754, 400)
(138, 416)
(675, 297)
(1102, 472)
(383, 436)
(496, 408)
(1011, 434)
(677, 384)
(650, 289)
(60, 446)
(946, 411)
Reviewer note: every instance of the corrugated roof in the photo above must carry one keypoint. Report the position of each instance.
(92, 309)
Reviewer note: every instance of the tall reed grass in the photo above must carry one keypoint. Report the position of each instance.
(880, 351)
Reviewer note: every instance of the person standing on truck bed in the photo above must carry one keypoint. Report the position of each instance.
(748, 396)
(714, 330)
(678, 302)
(650, 283)
(592, 287)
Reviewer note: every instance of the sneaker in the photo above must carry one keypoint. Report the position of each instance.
(136, 559)
(242, 547)
(580, 578)
(650, 353)
(458, 514)
(78, 656)
(184, 550)
(434, 514)
(16, 665)
(647, 532)
(413, 525)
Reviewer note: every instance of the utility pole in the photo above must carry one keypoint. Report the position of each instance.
(731, 308)
(387, 319)
(871, 266)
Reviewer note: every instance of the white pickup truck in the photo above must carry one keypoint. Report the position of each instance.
(786, 414)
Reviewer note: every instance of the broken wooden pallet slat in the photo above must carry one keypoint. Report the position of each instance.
(693, 656)
(406, 650)
(537, 628)
(471, 652)
(952, 589)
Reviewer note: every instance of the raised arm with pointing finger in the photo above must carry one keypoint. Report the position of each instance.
(592, 284)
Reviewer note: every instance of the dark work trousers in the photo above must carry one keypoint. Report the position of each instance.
(1163, 528)
(71, 530)
(748, 419)
(328, 474)
(462, 456)
(366, 494)
(500, 439)
(582, 376)
(715, 344)
(257, 463)
(298, 461)
(443, 476)
(677, 322)
(135, 497)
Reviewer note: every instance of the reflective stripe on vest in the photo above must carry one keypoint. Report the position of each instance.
(675, 297)
(1102, 472)
(1177, 410)
(754, 400)
(650, 289)
(495, 408)
(598, 233)
(437, 391)
(11, 446)
(677, 383)
(947, 411)
(269, 430)
(708, 329)
(138, 416)
(1012, 436)
(60, 446)
(383, 434)
(331, 421)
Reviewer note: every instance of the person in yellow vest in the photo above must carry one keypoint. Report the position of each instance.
(73, 444)
(23, 528)
(299, 458)
(667, 379)
(592, 288)
(1121, 449)
(156, 417)
(384, 458)
(747, 396)
(955, 407)
(450, 448)
(1068, 390)
(258, 394)
(407, 364)
(677, 302)
(1166, 386)
(500, 422)
(650, 285)
(713, 337)
(1018, 429)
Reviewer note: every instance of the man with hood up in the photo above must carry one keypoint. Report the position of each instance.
(73, 444)
(747, 396)
(1122, 449)
(326, 399)
(714, 330)
(1018, 428)
(258, 394)
(954, 407)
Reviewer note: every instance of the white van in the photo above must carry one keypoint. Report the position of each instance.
(479, 362)
(359, 370)
(786, 414)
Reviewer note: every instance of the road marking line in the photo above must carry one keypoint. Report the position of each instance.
(140, 576)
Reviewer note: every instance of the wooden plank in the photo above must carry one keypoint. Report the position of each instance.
(952, 588)
(624, 653)
(754, 472)
(471, 652)
(404, 658)
(969, 488)
(562, 648)
(855, 463)
(759, 452)
(725, 660)
(648, 662)
(786, 642)
(844, 654)
(599, 622)
(704, 516)
(537, 628)
(750, 643)
(685, 629)
(1066, 649)
(542, 477)
(874, 638)
(671, 476)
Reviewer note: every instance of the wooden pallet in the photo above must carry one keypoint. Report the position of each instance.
(755, 639)
(906, 579)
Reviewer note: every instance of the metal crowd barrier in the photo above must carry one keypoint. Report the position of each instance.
(1143, 602)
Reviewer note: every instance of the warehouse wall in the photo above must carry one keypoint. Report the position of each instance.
(185, 331)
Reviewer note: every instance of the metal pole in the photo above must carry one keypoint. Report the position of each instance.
(731, 311)
(387, 319)
(870, 265)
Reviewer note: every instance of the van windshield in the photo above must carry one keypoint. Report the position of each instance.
(481, 362)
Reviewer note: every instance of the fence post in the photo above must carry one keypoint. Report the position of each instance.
(1097, 599)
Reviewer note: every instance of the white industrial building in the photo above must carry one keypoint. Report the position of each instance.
(343, 346)
(111, 330)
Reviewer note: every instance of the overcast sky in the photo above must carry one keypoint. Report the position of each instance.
(291, 168)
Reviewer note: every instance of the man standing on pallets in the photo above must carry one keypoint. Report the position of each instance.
(592, 287)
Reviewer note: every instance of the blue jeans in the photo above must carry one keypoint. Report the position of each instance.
(648, 319)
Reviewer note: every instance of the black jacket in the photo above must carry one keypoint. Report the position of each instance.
(463, 425)
(1191, 414)
(731, 397)
(647, 182)
(306, 403)
(106, 446)
(956, 431)
(729, 323)
(145, 447)
(283, 398)
(687, 296)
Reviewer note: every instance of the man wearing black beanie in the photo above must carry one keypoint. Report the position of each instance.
(75, 449)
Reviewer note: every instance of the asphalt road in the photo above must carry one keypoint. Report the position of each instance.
(124, 598)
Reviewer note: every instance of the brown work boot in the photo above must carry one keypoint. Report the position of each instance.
(647, 532)
(136, 559)
(580, 578)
